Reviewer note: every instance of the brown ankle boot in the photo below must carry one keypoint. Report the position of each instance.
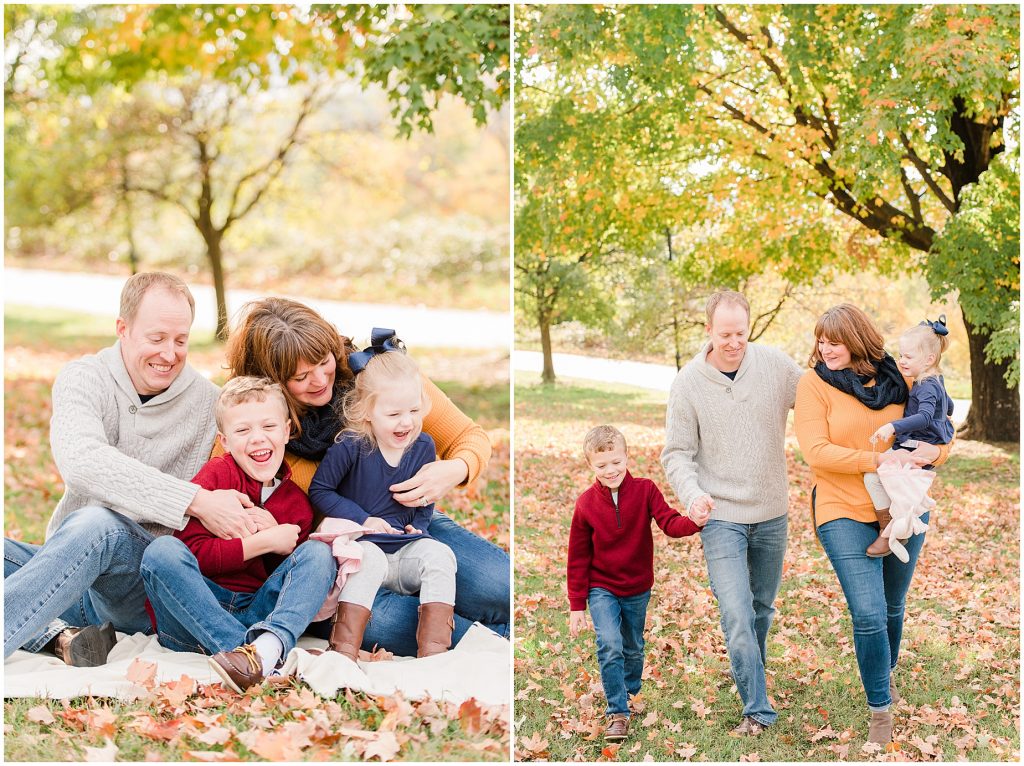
(347, 629)
(880, 728)
(434, 632)
(880, 547)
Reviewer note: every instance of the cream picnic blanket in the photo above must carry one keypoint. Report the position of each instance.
(477, 667)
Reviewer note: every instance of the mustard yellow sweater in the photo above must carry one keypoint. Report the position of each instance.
(455, 435)
(833, 429)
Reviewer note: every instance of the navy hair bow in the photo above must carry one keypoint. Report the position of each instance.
(381, 341)
(938, 326)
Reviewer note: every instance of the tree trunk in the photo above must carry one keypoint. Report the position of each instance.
(213, 253)
(995, 407)
(547, 375)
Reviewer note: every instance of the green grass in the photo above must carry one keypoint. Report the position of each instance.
(961, 635)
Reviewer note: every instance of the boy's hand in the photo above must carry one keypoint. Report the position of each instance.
(578, 623)
(283, 538)
(263, 518)
(380, 526)
(700, 510)
(883, 433)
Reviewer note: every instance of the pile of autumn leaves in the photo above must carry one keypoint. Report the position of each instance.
(277, 722)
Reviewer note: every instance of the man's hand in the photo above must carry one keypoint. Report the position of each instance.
(578, 623)
(700, 510)
(264, 519)
(223, 512)
(380, 526)
(282, 538)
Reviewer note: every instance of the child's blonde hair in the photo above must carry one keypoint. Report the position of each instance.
(247, 388)
(925, 339)
(602, 438)
(357, 404)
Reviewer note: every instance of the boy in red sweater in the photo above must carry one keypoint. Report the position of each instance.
(611, 566)
(243, 600)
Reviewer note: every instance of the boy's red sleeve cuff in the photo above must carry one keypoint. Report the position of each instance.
(577, 604)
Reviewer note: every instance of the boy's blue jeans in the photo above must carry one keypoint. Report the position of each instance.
(482, 584)
(876, 595)
(745, 570)
(87, 573)
(619, 626)
(195, 614)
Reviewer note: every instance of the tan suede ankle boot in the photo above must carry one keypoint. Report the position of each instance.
(880, 728)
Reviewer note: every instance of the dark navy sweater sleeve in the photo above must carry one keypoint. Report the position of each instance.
(926, 417)
(323, 489)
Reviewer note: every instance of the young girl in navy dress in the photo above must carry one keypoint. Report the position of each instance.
(382, 446)
(926, 416)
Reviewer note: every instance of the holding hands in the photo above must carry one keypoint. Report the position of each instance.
(578, 623)
(700, 510)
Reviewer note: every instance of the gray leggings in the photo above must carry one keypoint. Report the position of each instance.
(425, 566)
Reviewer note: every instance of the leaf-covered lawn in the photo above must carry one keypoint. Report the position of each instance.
(959, 665)
(189, 721)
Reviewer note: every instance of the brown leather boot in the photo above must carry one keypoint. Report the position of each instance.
(86, 647)
(880, 547)
(347, 629)
(434, 632)
(880, 728)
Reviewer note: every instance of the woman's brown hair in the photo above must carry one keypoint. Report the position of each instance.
(850, 326)
(274, 335)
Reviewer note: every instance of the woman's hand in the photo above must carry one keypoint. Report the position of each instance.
(432, 482)
(924, 454)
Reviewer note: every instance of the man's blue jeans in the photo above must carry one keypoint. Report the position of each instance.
(619, 626)
(876, 595)
(87, 573)
(745, 569)
(195, 614)
(482, 592)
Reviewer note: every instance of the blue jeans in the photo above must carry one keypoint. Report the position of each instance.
(87, 573)
(745, 569)
(876, 595)
(619, 626)
(195, 614)
(482, 592)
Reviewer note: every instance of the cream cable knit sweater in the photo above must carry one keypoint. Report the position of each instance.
(725, 438)
(113, 451)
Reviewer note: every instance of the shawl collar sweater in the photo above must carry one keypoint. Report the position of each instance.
(726, 438)
(611, 546)
(223, 561)
(114, 451)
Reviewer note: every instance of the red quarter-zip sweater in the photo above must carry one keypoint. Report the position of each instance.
(223, 560)
(611, 547)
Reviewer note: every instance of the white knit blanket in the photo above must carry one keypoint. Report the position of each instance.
(477, 667)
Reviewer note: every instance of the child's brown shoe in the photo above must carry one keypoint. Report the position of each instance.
(617, 728)
(880, 547)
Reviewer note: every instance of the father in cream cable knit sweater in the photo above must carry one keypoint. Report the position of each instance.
(724, 436)
(131, 426)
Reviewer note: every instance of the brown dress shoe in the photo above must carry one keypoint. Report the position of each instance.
(85, 647)
(240, 668)
(434, 631)
(617, 728)
(347, 629)
(748, 727)
(880, 547)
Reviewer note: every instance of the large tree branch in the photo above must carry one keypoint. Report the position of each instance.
(913, 197)
(922, 169)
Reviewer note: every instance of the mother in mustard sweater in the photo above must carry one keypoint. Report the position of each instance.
(853, 388)
(293, 345)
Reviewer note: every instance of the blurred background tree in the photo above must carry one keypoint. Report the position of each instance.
(350, 152)
(779, 148)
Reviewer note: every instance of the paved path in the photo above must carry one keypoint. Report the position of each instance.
(417, 325)
(658, 377)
